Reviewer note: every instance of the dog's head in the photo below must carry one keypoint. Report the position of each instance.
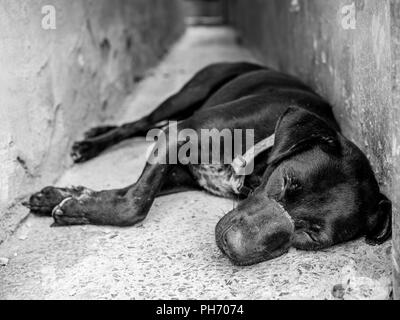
(318, 190)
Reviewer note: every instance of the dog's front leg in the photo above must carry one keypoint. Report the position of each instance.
(125, 207)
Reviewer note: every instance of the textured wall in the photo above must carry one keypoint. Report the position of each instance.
(346, 60)
(55, 83)
(395, 136)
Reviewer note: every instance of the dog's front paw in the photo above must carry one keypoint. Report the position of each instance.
(69, 212)
(85, 150)
(98, 131)
(43, 202)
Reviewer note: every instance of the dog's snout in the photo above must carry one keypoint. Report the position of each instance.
(248, 236)
(234, 243)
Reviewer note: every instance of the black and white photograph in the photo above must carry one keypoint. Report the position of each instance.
(215, 151)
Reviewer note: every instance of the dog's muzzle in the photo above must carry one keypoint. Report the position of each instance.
(258, 230)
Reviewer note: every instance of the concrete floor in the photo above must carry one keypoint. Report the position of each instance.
(172, 255)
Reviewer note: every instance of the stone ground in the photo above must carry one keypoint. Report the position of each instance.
(172, 255)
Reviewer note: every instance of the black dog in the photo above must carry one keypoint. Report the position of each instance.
(311, 190)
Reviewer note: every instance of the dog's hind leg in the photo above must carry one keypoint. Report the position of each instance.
(98, 131)
(178, 107)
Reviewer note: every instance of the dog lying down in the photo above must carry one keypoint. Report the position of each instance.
(310, 187)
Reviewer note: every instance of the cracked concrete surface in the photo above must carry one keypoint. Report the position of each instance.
(173, 255)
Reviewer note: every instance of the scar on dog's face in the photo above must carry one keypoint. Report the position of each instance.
(311, 197)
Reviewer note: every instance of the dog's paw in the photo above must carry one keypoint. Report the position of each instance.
(98, 131)
(43, 202)
(85, 150)
(69, 212)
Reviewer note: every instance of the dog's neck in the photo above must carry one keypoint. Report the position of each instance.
(241, 162)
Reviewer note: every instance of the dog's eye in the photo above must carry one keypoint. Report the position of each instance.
(291, 183)
(291, 186)
(295, 185)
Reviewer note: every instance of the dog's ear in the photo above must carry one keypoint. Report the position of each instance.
(379, 224)
(299, 130)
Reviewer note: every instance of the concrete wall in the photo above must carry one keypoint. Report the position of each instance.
(395, 136)
(347, 60)
(54, 83)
